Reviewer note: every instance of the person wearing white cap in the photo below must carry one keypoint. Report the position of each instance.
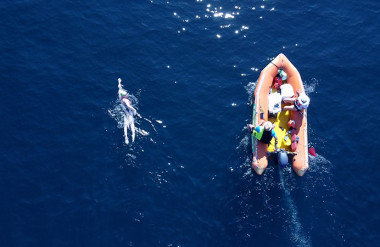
(299, 103)
(129, 112)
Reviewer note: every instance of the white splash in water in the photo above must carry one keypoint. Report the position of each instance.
(220, 14)
(318, 160)
(229, 16)
(142, 132)
(310, 86)
(250, 89)
(245, 141)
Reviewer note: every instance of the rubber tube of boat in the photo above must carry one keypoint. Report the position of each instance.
(282, 158)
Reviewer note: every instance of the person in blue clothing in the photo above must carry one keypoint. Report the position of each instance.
(264, 132)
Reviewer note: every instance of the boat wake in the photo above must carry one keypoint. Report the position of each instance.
(297, 232)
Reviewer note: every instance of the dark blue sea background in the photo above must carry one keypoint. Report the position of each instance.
(68, 179)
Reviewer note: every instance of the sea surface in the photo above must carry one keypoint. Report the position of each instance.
(68, 179)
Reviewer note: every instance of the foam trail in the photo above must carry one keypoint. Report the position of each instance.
(142, 132)
(129, 122)
(296, 228)
(126, 130)
(151, 124)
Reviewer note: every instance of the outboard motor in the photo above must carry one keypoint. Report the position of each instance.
(282, 158)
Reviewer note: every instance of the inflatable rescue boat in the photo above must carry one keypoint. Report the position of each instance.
(279, 80)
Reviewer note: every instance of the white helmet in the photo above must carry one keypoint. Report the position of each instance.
(268, 125)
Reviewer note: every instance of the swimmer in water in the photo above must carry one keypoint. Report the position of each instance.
(129, 112)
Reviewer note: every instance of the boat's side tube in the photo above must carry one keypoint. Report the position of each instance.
(259, 149)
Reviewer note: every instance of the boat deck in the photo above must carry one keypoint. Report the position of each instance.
(281, 129)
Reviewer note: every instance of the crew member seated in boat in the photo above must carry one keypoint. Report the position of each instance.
(264, 132)
(298, 103)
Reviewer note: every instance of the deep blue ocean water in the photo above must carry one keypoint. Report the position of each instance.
(68, 179)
